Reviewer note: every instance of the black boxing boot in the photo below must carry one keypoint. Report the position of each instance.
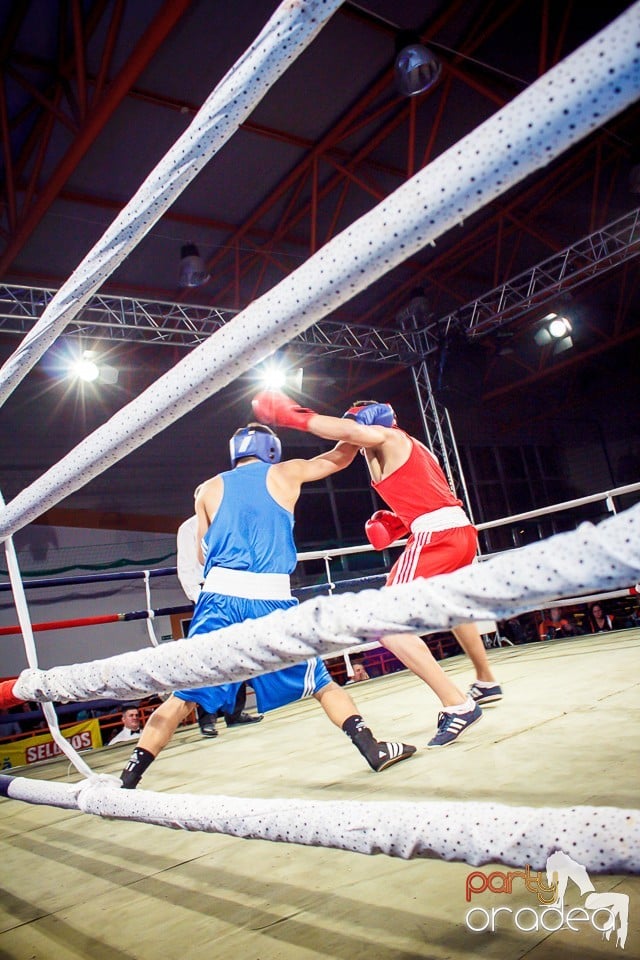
(379, 754)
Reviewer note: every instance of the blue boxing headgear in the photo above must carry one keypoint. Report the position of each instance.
(371, 413)
(255, 440)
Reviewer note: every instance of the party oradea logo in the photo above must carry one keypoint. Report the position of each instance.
(605, 912)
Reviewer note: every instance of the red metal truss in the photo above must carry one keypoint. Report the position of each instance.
(91, 116)
(240, 268)
(363, 112)
(501, 230)
(306, 208)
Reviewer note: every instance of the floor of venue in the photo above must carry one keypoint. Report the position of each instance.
(566, 733)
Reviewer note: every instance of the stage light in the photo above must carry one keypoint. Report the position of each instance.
(273, 378)
(416, 68)
(85, 368)
(416, 314)
(276, 375)
(90, 368)
(556, 330)
(559, 327)
(193, 272)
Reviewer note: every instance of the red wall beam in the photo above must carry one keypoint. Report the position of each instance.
(328, 141)
(148, 45)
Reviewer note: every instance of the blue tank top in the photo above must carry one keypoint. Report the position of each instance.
(250, 531)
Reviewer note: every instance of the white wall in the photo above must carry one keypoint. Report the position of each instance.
(45, 549)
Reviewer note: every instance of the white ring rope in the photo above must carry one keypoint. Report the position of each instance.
(153, 637)
(577, 96)
(26, 627)
(289, 31)
(606, 556)
(602, 839)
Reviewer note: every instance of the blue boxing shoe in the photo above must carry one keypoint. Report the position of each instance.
(489, 693)
(451, 726)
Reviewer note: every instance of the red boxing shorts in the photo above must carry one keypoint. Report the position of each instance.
(430, 553)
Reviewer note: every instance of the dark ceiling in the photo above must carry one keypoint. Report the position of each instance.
(94, 92)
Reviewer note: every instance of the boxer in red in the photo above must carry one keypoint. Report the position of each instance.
(441, 538)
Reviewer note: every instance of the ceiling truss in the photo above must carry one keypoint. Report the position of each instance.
(584, 260)
(173, 324)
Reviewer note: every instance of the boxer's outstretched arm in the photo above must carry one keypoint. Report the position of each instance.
(275, 408)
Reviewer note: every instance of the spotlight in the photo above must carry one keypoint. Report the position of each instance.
(275, 375)
(416, 68)
(193, 272)
(415, 315)
(273, 379)
(555, 330)
(559, 327)
(88, 369)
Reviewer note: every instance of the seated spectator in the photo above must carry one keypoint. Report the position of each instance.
(633, 620)
(10, 728)
(598, 619)
(513, 630)
(132, 726)
(555, 625)
(359, 671)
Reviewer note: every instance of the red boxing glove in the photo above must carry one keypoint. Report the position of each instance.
(7, 698)
(271, 406)
(383, 529)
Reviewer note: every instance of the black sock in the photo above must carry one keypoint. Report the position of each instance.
(139, 760)
(354, 725)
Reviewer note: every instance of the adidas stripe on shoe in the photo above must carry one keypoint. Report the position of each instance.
(390, 753)
(483, 695)
(452, 725)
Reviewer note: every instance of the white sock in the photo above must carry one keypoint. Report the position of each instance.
(483, 684)
(464, 707)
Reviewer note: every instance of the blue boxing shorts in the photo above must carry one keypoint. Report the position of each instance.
(214, 611)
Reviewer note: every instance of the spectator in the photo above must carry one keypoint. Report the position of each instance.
(633, 619)
(10, 728)
(132, 726)
(554, 625)
(359, 671)
(598, 619)
(513, 630)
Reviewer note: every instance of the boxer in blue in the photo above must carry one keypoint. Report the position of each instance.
(245, 526)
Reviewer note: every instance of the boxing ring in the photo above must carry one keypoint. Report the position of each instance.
(579, 94)
(68, 876)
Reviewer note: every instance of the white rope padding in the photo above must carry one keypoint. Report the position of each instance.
(602, 839)
(606, 556)
(290, 30)
(577, 96)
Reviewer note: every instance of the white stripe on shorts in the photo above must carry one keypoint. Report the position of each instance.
(408, 563)
(309, 681)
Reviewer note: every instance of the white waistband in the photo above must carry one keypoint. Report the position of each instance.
(251, 586)
(446, 518)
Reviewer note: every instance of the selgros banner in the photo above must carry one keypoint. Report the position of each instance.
(21, 753)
